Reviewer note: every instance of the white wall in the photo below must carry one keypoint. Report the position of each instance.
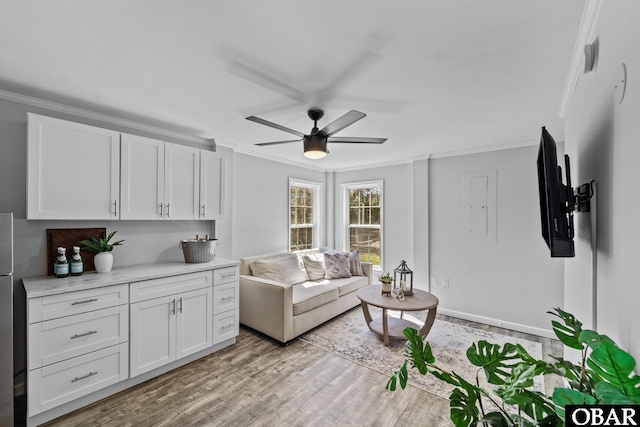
(602, 140)
(261, 204)
(512, 282)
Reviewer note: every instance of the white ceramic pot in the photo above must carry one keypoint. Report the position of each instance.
(103, 262)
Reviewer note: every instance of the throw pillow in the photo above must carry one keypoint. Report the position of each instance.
(336, 265)
(355, 267)
(314, 264)
(285, 269)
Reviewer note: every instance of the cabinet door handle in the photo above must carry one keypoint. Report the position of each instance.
(90, 374)
(85, 301)
(115, 208)
(203, 211)
(180, 309)
(173, 306)
(227, 299)
(161, 210)
(84, 335)
(167, 210)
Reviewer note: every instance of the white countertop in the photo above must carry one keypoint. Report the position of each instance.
(36, 287)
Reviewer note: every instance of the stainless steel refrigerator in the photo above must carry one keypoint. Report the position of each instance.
(6, 319)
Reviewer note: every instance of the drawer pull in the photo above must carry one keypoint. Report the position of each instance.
(84, 335)
(224, 276)
(227, 299)
(230, 325)
(90, 374)
(85, 301)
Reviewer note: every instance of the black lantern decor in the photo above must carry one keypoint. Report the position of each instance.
(403, 279)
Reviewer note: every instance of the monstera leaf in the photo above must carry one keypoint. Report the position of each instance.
(566, 396)
(615, 367)
(569, 331)
(493, 359)
(419, 353)
(463, 403)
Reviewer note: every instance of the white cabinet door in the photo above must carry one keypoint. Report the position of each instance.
(73, 170)
(141, 178)
(211, 185)
(182, 182)
(195, 331)
(153, 334)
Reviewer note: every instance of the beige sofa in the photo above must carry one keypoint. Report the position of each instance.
(284, 311)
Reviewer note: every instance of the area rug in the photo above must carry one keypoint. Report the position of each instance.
(348, 336)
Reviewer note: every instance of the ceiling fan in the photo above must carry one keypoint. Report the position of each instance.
(315, 144)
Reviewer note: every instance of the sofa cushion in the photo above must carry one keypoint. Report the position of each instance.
(314, 263)
(309, 295)
(285, 269)
(336, 265)
(355, 267)
(350, 284)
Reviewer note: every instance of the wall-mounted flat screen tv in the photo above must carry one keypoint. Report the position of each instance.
(556, 199)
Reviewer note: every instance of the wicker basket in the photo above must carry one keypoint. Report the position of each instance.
(195, 251)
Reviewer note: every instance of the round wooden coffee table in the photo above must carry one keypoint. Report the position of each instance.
(391, 327)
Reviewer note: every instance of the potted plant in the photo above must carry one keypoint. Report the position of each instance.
(103, 259)
(386, 281)
(604, 376)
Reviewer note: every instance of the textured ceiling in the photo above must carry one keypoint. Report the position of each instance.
(432, 76)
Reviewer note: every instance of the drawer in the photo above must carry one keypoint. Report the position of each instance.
(225, 275)
(158, 288)
(225, 297)
(63, 382)
(70, 303)
(60, 339)
(225, 326)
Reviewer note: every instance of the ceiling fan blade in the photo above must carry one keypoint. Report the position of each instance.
(277, 142)
(357, 140)
(274, 125)
(267, 81)
(348, 119)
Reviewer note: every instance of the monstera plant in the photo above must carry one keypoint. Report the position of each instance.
(605, 375)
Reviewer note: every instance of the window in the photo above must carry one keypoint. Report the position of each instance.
(304, 209)
(364, 220)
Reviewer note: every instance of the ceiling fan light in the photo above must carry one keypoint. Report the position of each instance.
(315, 154)
(315, 147)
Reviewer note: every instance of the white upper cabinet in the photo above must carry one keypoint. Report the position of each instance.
(211, 185)
(76, 171)
(182, 182)
(73, 170)
(142, 178)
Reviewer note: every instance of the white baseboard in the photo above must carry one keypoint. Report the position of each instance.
(547, 333)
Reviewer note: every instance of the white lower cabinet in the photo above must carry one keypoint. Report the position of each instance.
(226, 313)
(77, 344)
(65, 381)
(84, 344)
(169, 327)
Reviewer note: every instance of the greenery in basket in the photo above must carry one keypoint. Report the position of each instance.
(97, 244)
(385, 278)
(605, 375)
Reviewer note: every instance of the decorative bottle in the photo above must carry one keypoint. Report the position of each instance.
(76, 266)
(61, 265)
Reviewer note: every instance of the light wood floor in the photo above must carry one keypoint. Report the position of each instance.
(258, 382)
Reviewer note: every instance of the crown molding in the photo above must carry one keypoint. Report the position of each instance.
(519, 144)
(105, 118)
(585, 35)
(253, 153)
(374, 165)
